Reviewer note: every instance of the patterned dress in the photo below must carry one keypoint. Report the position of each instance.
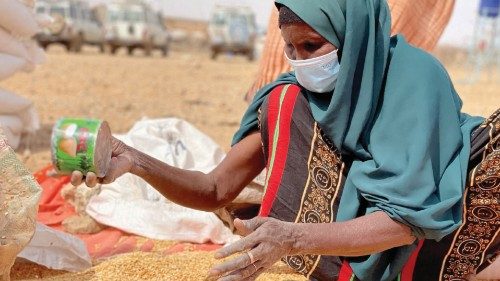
(421, 22)
(304, 184)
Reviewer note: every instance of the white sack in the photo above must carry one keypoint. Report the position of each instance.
(57, 250)
(10, 65)
(44, 20)
(36, 55)
(18, 18)
(28, 3)
(12, 129)
(12, 104)
(17, 115)
(134, 206)
(12, 46)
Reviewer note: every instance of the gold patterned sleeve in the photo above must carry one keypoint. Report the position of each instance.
(19, 195)
(422, 22)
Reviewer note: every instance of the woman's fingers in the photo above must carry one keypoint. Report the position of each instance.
(246, 273)
(76, 178)
(91, 179)
(247, 265)
(240, 262)
(255, 275)
(118, 166)
(245, 243)
(248, 226)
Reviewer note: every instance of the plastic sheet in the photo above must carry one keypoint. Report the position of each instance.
(130, 204)
(57, 250)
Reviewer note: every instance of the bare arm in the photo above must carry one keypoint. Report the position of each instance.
(204, 191)
(268, 240)
(372, 233)
(192, 189)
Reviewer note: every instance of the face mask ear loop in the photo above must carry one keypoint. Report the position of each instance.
(307, 62)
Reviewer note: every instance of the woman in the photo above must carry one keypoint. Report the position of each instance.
(421, 22)
(367, 155)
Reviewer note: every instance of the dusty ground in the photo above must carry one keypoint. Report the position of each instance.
(123, 89)
(207, 93)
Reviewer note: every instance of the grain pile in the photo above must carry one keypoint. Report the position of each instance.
(122, 90)
(188, 266)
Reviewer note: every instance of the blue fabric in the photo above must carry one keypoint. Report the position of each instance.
(396, 112)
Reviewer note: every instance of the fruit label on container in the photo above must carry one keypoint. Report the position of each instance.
(73, 142)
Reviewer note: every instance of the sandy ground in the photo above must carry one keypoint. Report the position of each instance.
(207, 93)
(123, 89)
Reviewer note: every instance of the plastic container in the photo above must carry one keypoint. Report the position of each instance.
(81, 145)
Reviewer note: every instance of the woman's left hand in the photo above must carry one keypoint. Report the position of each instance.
(267, 241)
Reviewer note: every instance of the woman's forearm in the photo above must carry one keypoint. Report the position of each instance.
(198, 190)
(188, 188)
(365, 235)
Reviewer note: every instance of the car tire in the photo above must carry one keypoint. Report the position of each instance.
(102, 48)
(251, 55)
(213, 54)
(75, 45)
(113, 49)
(165, 50)
(148, 50)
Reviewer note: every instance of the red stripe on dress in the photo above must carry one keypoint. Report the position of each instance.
(346, 272)
(283, 142)
(407, 272)
(272, 117)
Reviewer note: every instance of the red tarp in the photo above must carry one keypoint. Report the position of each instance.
(110, 241)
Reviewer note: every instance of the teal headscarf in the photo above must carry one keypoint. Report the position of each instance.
(395, 111)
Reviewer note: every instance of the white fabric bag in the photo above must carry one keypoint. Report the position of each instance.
(17, 115)
(134, 206)
(12, 104)
(17, 18)
(10, 64)
(12, 46)
(12, 128)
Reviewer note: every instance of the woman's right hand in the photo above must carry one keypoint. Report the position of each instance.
(122, 161)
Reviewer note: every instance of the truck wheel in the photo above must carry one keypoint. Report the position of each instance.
(102, 48)
(113, 49)
(214, 53)
(165, 50)
(148, 49)
(251, 55)
(75, 45)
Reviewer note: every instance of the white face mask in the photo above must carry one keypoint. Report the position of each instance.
(318, 74)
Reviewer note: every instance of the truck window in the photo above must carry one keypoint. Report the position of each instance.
(73, 12)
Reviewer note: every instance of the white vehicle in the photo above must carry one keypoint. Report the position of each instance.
(135, 26)
(232, 29)
(74, 25)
